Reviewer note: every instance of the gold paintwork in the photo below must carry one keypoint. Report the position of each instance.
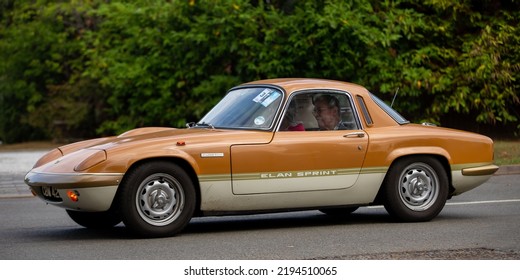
(234, 167)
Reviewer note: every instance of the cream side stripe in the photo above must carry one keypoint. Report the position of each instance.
(214, 177)
(292, 174)
(316, 173)
(370, 170)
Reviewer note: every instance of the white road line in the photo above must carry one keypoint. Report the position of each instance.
(484, 202)
(467, 202)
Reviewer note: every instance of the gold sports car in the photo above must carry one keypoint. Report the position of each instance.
(267, 146)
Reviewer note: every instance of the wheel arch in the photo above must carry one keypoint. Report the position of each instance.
(183, 163)
(439, 157)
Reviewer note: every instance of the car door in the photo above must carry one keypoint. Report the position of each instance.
(309, 160)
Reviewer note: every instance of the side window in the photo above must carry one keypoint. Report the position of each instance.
(364, 110)
(347, 117)
(311, 111)
(333, 111)
(298, 115)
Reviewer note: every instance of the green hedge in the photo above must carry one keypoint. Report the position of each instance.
(77, 69)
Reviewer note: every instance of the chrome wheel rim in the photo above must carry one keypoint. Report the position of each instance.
(418, 186)
(160, 199)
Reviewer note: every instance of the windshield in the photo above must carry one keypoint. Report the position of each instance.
(245, 108)
(396, 116)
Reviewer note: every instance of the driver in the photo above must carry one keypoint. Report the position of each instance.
(327, 112)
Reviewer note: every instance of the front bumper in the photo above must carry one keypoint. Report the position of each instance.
(93, 192)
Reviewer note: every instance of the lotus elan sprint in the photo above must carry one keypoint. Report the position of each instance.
(267, 146)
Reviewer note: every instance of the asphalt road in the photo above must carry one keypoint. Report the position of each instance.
(481, 224)
(13, 167)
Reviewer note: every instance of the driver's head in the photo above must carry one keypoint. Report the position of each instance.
(326, 111)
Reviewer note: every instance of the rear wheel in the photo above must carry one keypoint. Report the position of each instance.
(95, 220)
(157, 199)
(416, 189)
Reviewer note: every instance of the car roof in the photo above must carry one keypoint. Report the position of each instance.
(379, 118)
(291, 85)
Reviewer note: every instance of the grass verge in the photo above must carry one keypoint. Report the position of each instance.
(507, 152)
(29, 146)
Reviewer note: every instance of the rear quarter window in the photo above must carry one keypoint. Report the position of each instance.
(364, 110)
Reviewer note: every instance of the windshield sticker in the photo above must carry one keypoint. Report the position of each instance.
(266, 97)
(260, 120)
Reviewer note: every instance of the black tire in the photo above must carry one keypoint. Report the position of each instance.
(416, 189)
(339, 212)
(95, 220)
(157, 199)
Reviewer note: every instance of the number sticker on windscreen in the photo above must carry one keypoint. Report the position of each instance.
(266, 97)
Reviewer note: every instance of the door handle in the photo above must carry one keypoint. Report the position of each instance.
(354, 135)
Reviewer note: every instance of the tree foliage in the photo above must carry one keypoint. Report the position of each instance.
(84, 68)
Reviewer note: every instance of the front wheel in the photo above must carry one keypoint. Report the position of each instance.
(157, 199)
(416, 189)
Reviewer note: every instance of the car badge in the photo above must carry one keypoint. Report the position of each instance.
(211, 155)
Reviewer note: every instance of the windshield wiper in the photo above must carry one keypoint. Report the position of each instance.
(201, 125)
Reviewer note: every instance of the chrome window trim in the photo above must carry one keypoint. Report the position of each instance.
(321, 91)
